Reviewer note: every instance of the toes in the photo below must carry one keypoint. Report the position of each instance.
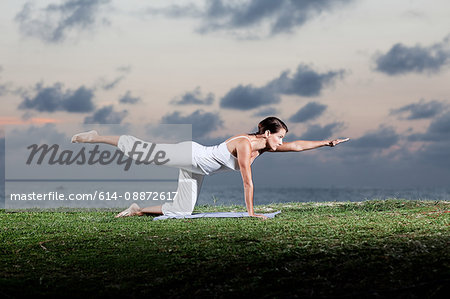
(123, 213)
(74, 139)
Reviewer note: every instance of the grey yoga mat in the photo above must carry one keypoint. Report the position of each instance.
(215, 215)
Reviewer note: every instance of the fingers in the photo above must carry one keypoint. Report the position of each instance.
(263, 217)
(337, 141)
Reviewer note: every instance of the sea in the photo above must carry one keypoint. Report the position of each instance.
(221, 195)
(215, 195)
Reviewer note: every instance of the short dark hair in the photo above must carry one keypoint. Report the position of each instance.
(271, 123)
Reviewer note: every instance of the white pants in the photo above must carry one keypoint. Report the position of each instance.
(180, 155)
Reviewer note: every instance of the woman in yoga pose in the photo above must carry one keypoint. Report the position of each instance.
(237, 153)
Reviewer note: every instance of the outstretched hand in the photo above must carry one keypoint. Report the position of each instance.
(337, 141)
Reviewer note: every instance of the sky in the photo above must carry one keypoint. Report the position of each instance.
(374, 71)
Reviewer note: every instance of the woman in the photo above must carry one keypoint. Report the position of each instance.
(236, 153)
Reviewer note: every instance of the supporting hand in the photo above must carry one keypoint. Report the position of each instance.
(264, 217)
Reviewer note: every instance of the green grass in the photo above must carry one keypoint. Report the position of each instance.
(393, 248)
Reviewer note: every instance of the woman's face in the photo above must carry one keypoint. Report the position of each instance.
(274, 140)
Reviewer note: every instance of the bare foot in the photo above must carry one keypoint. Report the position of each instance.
(131, 211)
(84, 137)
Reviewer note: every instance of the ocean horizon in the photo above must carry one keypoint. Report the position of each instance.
(217, 195)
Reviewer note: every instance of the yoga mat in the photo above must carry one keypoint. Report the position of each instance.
(215, 215)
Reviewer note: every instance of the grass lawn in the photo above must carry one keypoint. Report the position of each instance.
(375, 249)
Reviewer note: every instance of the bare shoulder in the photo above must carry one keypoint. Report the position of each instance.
(241, 142)
(241, 137)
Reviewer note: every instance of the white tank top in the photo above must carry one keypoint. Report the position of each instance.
(213, 159)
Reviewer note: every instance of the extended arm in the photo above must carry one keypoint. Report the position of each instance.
(303, 145)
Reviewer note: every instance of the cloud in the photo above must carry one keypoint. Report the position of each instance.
(128, 99)
(193, 98)
(20, 136)
(415, 14)
(124, 69)
(266, 112)
(53, 23)
(251, 18)
(203, 123)
(54, 98)
(438, 130)
(436, 154)
(317, 132)
(106, 115)
(3, 89)
(420, 110)
(382, 138)
(441, 125)
(304, 82)
(401, 59)
(113, 83)
(310, 111)
(27, 115)
(248, 97)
